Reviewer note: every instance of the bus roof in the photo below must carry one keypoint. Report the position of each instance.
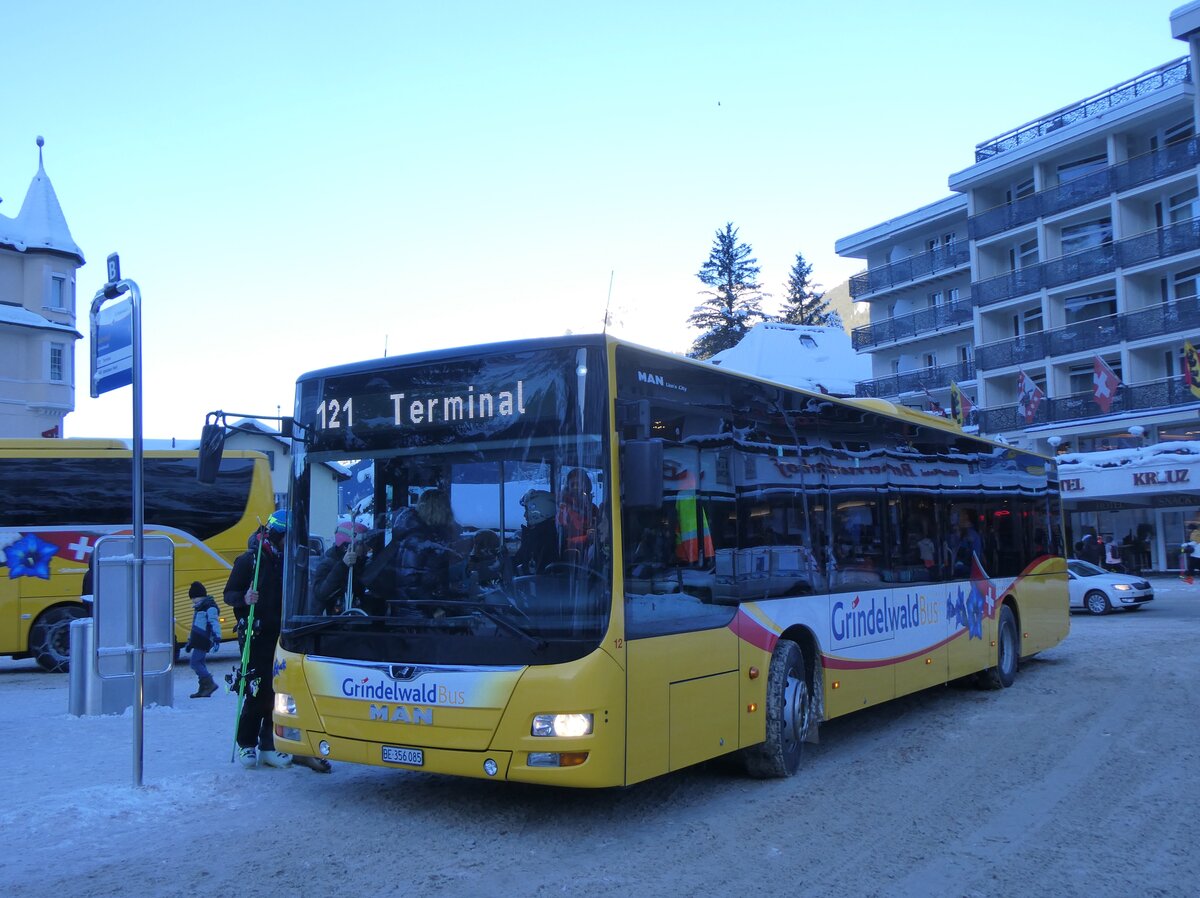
(533, 343)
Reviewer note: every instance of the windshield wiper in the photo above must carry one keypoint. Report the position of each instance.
(483, 609)
(330, 621)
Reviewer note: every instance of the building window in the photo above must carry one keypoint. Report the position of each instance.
(1088, 235)
(1023, 255)
(964, 353)
(1028, 322)
(952, 295)
(1020, 190)
(929, 360)
(936, 298)
(1069, 171)
(1174, 134)
(1090, 305)
(1183, 285)
(58, 292)
(58, 352)
(1182, 206)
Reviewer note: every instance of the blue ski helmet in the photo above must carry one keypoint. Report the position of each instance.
(277, 522)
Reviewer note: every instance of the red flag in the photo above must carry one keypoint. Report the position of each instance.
(1191, 368)
(52, 433)
(1029, 397)
(1104, 384)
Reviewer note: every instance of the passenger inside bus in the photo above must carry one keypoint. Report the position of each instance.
(417, 562)
(577, 516)
(340, 570)
(538, 538)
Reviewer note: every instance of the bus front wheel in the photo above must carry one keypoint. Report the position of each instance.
(789, 715)
(50, 637)
(1008, 651)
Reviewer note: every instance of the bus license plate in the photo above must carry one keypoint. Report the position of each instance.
(412, 756)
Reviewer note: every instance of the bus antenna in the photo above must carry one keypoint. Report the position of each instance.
(608, 302)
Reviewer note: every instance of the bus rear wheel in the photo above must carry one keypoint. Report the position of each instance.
(50, 637)
(1008, 651)
(789, 712)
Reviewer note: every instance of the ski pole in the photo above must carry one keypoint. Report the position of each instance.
(246, 644)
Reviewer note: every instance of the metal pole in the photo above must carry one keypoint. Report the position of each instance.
(139, 554)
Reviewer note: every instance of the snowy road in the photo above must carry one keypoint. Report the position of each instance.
(1081, 780)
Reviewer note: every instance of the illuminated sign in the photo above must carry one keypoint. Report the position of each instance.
(410, 409)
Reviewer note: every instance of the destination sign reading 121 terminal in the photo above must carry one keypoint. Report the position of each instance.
(444, 408)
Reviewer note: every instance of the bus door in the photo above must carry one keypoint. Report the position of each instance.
(682, 655)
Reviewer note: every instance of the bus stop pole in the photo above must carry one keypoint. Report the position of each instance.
(139, 551)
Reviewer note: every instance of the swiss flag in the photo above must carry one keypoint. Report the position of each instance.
(1104, 384)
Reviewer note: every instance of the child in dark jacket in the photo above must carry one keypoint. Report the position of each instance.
(205, 637)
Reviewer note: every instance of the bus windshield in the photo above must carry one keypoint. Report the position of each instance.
(479, 532)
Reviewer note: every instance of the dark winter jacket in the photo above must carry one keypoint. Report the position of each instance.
(268, 610)
(416, 563)
(329, 579)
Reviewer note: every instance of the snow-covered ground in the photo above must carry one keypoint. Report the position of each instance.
(1080, 780)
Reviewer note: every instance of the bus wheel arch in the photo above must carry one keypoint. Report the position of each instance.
(790, 713)
(1008, 650)
(50, 636)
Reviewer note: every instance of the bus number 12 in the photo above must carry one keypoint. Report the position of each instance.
(330, 410)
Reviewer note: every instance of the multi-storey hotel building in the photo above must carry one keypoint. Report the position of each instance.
(1056, 290)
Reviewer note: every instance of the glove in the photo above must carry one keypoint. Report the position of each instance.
(350, 558)
(216, 645)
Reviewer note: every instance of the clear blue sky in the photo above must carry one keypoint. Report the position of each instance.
(292, 184)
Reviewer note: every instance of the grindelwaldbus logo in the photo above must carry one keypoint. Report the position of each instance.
(880, 617)
(417, 694)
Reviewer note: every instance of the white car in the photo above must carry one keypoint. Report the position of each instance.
(1099, 591)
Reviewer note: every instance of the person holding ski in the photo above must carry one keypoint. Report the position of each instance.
(255, 593)
(204, 638)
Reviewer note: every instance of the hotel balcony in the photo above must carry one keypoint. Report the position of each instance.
(1148, 247)
(1149, 82)
(915, 324)
(1152, 396)
(939, 261)
(1095, 333)
(1169, 160)
(915, 381)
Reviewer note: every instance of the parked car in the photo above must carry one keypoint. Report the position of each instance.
(1098, 591)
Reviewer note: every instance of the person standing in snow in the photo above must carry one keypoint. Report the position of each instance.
(205, 637)
(262, 589)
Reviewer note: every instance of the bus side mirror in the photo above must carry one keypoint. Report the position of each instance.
(212, 445)
(642, 474)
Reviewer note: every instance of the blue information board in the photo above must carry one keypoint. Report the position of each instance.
(112, 347)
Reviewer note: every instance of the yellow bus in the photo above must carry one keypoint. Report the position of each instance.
(587, 563)
(60, 496)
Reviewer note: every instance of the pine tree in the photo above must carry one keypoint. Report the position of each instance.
(803, 303)
(733, 304)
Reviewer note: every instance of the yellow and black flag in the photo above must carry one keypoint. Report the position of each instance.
(1191, 368)
(960, 406)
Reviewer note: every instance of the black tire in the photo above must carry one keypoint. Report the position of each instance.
(1008, 652)
(50, 637)
(1096, 602)
(789, 711)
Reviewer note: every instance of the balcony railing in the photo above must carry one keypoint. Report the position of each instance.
(1156, 321)
(915, 324)
(915, 381)
(1161, 163)
(903, 270)
(1143, 397)
(1158, 244)
(1148, 82)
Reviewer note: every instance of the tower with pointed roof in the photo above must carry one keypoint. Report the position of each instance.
(38, 262)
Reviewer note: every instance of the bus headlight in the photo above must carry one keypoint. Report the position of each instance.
(284, 704)
(569, 725)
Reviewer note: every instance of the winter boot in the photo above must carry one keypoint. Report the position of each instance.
(248, 757)
(271, 758)
(207, 688)
(317, 765)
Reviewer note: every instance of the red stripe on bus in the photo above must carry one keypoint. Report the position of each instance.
(748, 629)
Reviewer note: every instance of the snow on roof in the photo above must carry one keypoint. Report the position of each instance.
(40, 225)
(22, 317)
(820, 359)
(1184, 452)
